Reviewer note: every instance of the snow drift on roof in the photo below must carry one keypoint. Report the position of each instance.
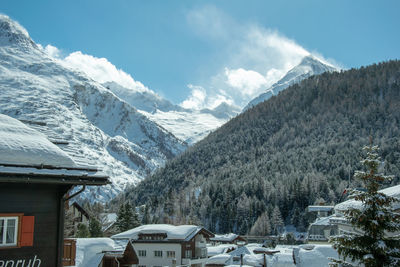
(21, 145)
(219, 259)
(220, 249)
(88, 250)
(393, 191)
(224, 238)
(180, 232)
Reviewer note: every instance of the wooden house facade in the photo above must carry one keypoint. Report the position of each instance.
(35, 175)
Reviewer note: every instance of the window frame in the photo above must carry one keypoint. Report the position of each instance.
(17, 232)
(170, 254)
(160, 252)
(142, 253)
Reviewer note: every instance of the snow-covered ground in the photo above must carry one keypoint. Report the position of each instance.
(280, 256)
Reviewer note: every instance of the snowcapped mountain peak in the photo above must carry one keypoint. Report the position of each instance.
(223, 111)
(316, 65)
(12, 33)
(145, 100)
(308, 66)
(94, 125)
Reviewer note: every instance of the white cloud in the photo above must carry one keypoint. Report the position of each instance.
(52, 51)
(252, 59)
(247, 81)
(196, 99)
(99, 69)
(199, 99)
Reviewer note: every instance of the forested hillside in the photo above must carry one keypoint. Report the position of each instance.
(272, 161)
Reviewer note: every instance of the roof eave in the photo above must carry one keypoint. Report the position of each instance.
(53, 179)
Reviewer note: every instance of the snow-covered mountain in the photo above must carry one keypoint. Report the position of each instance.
(88, 121)
(187, 124)
(308, 66)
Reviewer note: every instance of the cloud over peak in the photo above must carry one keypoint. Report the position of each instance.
(99, 69)
(253, 57)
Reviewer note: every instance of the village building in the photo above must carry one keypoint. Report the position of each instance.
(220, 249)
(35, 176)
(228, 239)
(168, 245)
(101, 252)
(321, 229)
(74, 216)
(108, 221)
(343, 225)
(325, 227)
(80, 215)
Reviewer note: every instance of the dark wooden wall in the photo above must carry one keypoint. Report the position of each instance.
(44, 202)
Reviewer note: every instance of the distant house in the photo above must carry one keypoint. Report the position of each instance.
(101, 252)
(325, 227)
(220, 249)
(35, 176)
(321, 229)
(341, 222)
(108, 223)
(228, 239)
(75, 215)
(321, 210)
(80, 214)
(168, 245)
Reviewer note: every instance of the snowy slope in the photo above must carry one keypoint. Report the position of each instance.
(186, 124)
(308, 66)
(90, 123)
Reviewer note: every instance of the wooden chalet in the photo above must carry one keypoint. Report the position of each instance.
(35, 176)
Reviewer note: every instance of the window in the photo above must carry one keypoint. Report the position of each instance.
(8, 231)
(16, 230)
(158, 253)
(142, 253)
(170, 254)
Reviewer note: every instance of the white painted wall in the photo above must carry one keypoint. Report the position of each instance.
(150, 260)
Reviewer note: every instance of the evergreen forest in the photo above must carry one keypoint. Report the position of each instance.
(261, 170)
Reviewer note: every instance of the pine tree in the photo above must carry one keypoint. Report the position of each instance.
(83, 231)
(127, 218)
(374, 220)
(262, 226)
(95, 228)
(277, 221)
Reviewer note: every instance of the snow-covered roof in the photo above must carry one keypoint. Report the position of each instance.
(179, 233)
(319, 208)
(220, 249)
(21, 145)
(28, 156)
(219, 259)
(108, 220)
(323, 221)
(393, 191)
(314, 256)
(224, 238)
(89, 250)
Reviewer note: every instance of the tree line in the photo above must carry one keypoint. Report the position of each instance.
(269, 163)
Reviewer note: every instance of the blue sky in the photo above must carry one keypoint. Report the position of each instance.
(208, 50)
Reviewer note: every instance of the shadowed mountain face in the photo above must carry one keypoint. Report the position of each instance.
(293, 150)
(96, 127)
(308, 66)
